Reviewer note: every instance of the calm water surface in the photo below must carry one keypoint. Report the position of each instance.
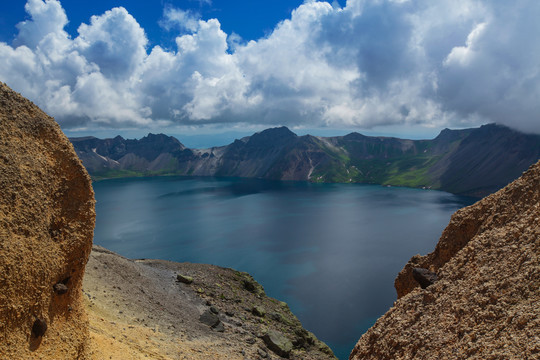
(331, 251)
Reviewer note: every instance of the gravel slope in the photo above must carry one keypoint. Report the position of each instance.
(138, 309)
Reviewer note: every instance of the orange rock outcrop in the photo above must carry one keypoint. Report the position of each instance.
(46, 228)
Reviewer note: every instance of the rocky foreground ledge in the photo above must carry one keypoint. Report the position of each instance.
(46, 228)
(484, 302)
(164, 310)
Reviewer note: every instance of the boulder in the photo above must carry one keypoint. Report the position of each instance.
(46, 229)
(209, 318)
(258, 311)
(424, 277)
(219, 327)
(184, 279)
(278, 343)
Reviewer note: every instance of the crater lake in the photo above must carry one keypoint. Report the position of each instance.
(331, 251)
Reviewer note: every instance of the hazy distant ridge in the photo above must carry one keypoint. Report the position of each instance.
(470, 162)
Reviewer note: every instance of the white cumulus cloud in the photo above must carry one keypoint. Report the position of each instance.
(48, 18)
(368, 63)
(178, 18)
(114, 41)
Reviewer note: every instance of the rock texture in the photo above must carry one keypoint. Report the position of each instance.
(486, 301)
(46, 228)
(138, 309)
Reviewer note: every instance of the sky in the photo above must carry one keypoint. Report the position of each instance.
(391, 67)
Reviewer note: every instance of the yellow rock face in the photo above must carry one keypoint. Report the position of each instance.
(46, 229)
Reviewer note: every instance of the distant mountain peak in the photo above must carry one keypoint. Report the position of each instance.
(448, 135)
(272, 137)
(159, 137)
(156, 136)
(282, 131)
(354, 136)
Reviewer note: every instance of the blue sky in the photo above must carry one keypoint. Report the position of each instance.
(395, 67)
(251, 19)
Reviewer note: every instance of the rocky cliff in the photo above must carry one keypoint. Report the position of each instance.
(46, 228)
(486, 301)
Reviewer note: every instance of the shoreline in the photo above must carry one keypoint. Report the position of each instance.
(136, 176)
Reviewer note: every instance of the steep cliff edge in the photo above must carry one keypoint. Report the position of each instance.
(46, 228)
(486, 301)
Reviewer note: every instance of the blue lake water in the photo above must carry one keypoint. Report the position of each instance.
(331, 251)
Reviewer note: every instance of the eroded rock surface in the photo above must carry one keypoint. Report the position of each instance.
(486, 301)
(46, 228)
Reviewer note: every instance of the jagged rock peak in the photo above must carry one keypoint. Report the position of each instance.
(486, 301)
(46, 228)
(451, 135)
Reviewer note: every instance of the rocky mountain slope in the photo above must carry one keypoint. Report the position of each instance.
(46, 229)
(140, 309)
(486, 301)
(470, 162)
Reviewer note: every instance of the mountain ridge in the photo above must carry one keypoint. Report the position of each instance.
(474, 162)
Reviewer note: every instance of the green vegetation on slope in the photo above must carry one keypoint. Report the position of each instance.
(470, 162)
